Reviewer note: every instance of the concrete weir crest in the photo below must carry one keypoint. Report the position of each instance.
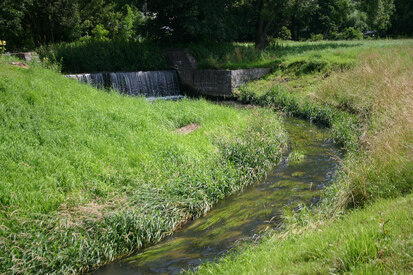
(217, 83)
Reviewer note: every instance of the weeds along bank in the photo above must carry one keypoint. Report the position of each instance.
(373, 240)
(88, 175)
(369, 109)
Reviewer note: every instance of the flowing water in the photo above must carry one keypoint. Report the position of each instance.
(245, 215)
(151, 83)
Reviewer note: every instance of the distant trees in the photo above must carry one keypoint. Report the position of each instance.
(29, 24)
(191, 20)
(401, 21)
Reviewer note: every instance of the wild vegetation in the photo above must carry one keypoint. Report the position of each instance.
(88, 175)
(376, 95)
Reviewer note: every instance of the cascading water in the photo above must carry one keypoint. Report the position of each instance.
(150, 84)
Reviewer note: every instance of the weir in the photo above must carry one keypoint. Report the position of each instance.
(150, 84)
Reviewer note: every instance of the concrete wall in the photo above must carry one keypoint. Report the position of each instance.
(219, 83)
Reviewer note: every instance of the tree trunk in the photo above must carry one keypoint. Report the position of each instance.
(263, 25)
(260, 36)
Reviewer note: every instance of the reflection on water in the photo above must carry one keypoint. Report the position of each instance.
(243, 215)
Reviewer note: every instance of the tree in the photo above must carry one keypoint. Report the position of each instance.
(378, 13)
(401, 21)
(271, 13)
(11, 16)
(190, 20)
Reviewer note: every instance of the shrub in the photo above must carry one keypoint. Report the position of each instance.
(284, 34)
(352, 33)
(92, 55)
(316, 37)
(275, 44)
(2, 46)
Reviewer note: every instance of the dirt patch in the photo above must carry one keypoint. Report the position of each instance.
(188, 129)
(20, 64)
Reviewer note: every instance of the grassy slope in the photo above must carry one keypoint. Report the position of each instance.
(87, 175)
(371, 106)
(357, 243)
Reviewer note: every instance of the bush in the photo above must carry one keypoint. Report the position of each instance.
(348, 34)
(284, 34)
(275, 44)
(352, 33)
(2, 46)
(92, 55)
(316, 37)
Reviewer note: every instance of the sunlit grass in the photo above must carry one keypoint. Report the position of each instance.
(88, 175)
(375, 240)
(243, 55)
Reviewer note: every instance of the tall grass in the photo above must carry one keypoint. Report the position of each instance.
(380, 92)
(372, 104)
(89, 175)
(375, 240)
(368, 109)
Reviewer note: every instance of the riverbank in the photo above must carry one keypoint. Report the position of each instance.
(368, 109)
(89, 175)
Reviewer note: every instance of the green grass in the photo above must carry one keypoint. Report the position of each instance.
(375, 240)
(308, 56)
(368, 109)
(88, 175)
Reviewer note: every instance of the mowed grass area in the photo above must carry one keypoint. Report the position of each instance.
(364, 222)
(88, 175)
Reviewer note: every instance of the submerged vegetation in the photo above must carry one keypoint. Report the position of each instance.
(88, 175)
(369, 110)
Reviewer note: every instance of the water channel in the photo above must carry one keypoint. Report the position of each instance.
(245, 215)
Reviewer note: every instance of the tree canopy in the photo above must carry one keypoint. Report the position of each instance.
(27, 24)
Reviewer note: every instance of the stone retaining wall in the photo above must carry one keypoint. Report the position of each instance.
(219, 83)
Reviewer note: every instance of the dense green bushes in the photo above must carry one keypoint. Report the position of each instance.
(99, 55)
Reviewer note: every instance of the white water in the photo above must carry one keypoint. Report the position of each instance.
(150, 84)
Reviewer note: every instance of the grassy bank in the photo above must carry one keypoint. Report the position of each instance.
(374, 240)
(369, 110)
(88, 175)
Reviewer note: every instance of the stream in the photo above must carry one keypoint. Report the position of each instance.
(246, 215)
